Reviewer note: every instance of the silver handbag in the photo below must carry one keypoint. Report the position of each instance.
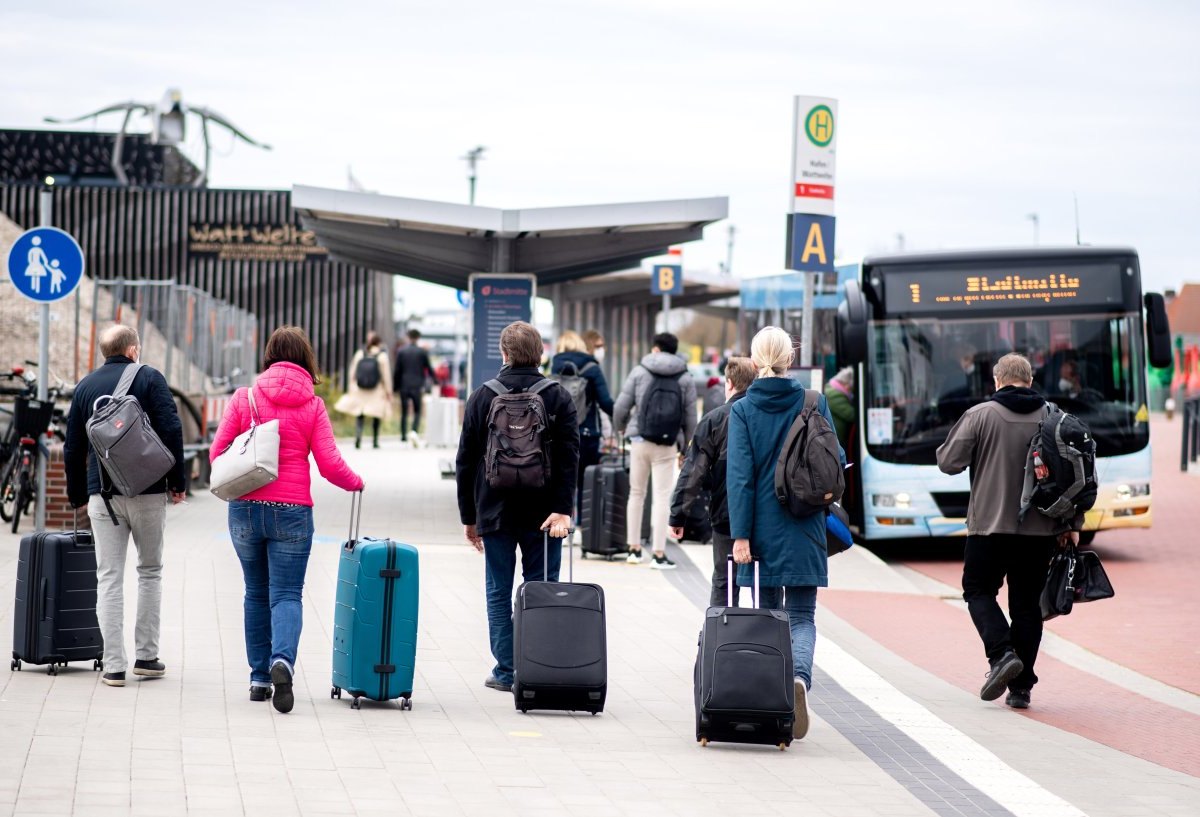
(250, 462)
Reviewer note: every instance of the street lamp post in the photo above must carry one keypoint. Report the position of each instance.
(1034, 218)
(474, 155)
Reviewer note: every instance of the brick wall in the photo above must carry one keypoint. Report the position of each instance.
(59, 513)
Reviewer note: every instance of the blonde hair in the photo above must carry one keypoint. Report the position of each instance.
(570, 341)
(772, 352)
(1013, 370)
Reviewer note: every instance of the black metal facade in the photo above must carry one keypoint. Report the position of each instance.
(142, 234)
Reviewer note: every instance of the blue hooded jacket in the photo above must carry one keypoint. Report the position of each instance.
(598, 395)
(792, 551)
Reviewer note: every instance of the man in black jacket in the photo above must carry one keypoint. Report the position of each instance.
(499, 520)
(704, 469)
(411, 373)
(143, 516)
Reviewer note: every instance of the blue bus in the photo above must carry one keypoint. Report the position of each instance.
(923, 331)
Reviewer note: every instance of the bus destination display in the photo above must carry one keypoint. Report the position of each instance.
(950, 291)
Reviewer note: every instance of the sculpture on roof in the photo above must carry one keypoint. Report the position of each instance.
(169, 127)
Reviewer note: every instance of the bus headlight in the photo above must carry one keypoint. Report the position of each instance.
(898, 500)
(1125, 491)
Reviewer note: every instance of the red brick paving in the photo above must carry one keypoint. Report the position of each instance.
(1151, 624)
(940, 639)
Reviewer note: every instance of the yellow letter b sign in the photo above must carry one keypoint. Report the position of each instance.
(810, 242)
(666, 279)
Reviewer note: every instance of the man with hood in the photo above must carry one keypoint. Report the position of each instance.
(657, 411)
(992, 439)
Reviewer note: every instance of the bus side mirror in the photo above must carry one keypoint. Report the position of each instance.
(1158, 331)
(852, 326)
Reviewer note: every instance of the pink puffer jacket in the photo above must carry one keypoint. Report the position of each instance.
(284, 392)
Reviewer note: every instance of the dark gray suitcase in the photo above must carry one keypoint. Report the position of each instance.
(55, 616)
(743, 677)
(560, 645)
(604, 510)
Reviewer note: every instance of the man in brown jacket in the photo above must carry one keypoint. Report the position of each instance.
(992, 439)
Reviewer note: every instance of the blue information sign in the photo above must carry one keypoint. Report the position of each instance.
(666, 279)
(45, 264)
(496, 301)
(810, 242)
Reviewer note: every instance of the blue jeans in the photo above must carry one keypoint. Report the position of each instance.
(500, 563)
(801, 606)
(273, 544)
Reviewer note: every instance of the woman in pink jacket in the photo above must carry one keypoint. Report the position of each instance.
(272, 528)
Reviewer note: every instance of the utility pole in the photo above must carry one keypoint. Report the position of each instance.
(473, 157)
(1075, 196)
(727, 266)
(1034, 218)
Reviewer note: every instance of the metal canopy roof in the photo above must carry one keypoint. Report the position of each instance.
(632, 288)
(445, 243)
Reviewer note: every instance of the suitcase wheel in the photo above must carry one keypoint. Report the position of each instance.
(355, 703)
(52, 669)
(15, 665)
(405, 703)
(782, 747)
(336, 692)
(97, 665)
(582, 554)
(703, 741)
(524, 710)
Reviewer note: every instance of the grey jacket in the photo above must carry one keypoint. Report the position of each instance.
(993, 441)
(637, 386)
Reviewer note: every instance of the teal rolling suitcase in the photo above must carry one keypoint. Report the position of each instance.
(375, 622)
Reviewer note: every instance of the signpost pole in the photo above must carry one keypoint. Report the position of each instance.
(46, 202)
(806, 318)
(666, 309)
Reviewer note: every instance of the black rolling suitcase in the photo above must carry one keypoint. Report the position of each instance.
(744, 685)
(560, 650)
(605, 500)
(55, 617)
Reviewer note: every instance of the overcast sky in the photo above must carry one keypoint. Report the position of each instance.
(957, 120)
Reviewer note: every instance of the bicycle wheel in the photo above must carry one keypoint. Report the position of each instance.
(8, 488)
(25, 491)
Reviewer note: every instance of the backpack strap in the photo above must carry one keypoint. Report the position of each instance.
(126, 381)
(586, 366)
(541, 386)
(498, 387)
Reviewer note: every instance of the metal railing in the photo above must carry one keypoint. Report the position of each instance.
(1190, 449)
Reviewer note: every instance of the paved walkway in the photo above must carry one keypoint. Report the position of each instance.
(890, 736)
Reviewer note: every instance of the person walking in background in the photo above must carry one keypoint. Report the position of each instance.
(839, 394)
(657, 411)
(272, 528)
(370, 393)
(114, 517)
(499, 514)
(579, 372)
(992, 439)
(596, 348)
(413, 373)
(791, 550)
(704, 469)
(714, 394)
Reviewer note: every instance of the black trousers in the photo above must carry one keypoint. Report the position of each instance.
(589, 454)
(722, 549)
(1023, 561)
(409, 396)
(358, 428)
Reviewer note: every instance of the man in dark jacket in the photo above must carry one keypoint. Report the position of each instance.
(411, 373)
(573, 359)
(704, 470)
(500, 520)
(143, 516)
(992, 439)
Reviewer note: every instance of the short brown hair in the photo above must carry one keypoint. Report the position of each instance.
(373, 339)
(521, 343)
(290, 344)
(1013, 370)
(117, 338)
(740, 372)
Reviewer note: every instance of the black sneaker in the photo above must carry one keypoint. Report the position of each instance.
(662, 563)
(114, 679)
(258, 693)
(1005, 668)
(150, 669)
(283, 699)
(495, 683)
(1018, 699)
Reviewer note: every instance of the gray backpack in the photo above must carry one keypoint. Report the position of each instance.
(576, 385)
(126, 446)
(518, 454)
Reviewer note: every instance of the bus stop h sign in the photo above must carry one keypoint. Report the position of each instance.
(45, 264)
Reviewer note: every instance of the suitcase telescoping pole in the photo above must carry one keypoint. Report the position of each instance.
(546, 556)
(729, 585)
(355, 519)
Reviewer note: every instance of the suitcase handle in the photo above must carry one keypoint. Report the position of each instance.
(546, 555)
(355, 519)
(729, 585)
(45, 592)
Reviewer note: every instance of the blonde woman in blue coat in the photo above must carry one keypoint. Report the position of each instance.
(791, 552)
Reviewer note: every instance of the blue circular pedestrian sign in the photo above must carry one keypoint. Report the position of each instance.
(45, 264)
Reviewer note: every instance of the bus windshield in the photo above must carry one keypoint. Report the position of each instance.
(923, 374)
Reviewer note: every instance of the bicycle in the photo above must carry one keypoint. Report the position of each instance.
(32, 419)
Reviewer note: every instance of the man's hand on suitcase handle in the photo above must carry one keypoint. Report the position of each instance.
(474, 538)
(741, 551)
(559, 525)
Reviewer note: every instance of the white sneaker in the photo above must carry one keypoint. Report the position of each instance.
(800, 711)
(634, 557)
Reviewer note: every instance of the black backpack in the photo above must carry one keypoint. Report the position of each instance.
(517, 454)
(1060, 468)
(366, 373)
(576, 386)
(661, 418)
(808, 473)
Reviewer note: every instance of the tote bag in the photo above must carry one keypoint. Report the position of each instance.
(250, 462)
